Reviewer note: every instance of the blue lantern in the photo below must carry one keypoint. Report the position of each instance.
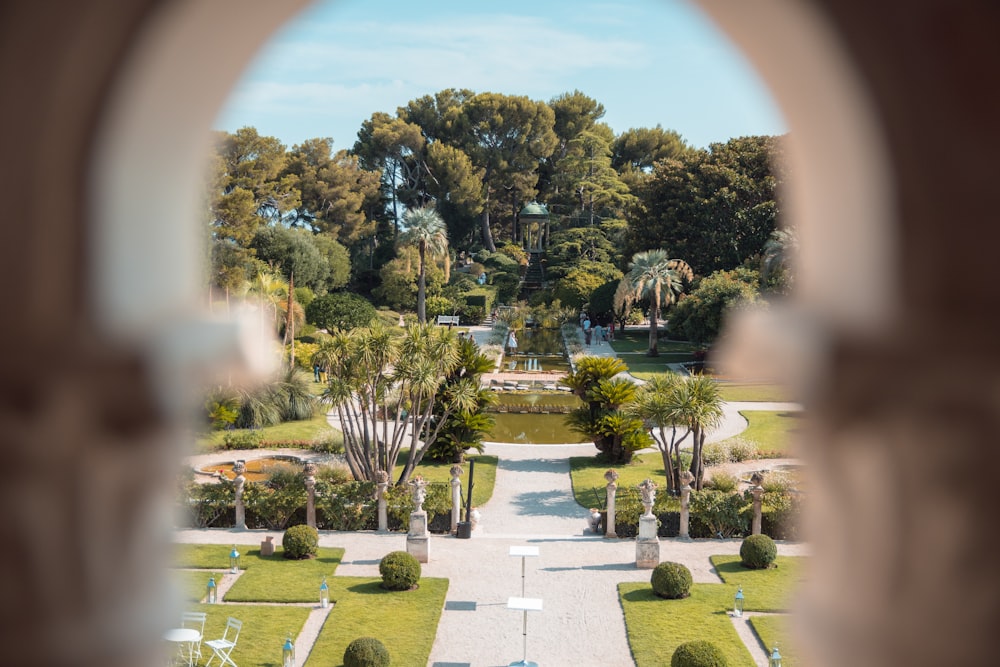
(738, 603)
(288, 653)
(324, 594)
(211, 596)
(775, 660)
(234, 560)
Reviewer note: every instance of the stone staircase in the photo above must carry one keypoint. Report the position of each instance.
(534, 276)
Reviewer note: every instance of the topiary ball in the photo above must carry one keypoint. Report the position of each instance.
(300, 542)
(671, 580)
(699, 653)
(400, 571)
(366, 652)
(758, 552)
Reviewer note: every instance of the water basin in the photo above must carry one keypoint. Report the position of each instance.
(536, 429)
(257, 469)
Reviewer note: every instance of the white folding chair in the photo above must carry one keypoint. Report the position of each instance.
(221, 648)
(196, 621)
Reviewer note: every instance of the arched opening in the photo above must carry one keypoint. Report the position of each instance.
(836, 198)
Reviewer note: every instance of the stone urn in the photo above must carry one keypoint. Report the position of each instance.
(474, 517)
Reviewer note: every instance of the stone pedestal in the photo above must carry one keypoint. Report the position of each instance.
(647, 545)
(758, 494)
(456, 496)
(612, 478)
(309, 478)
(686, 478)
(417, 540)
(381, 486)
(239, 483)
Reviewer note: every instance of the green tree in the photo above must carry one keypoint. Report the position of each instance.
(426, 231)
(382, 382)
(605, 417)
(586, 172)
(335, 190)
(291, 252)
(465, 428)
(574, 289)
(393, 147)
(776, 264)
(659, 404)
(651, 277)
(715, 208)
(506, 136)
(699, 316)
(340, 311)
(700, 411)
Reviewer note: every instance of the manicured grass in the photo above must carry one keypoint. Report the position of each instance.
(192, 585)
(405, 621)
(656, 627)
(486, 474)
(776, 631)
(277, 579)
(764, 590)
(586, 473)
(771, 430)
(754, 391)
(297, 430)
(263, 633)
(638, 341)
(205, 556)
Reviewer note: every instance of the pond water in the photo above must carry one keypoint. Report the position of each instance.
(257, 469)
(538, 350)
(537, 400)
(536, 429)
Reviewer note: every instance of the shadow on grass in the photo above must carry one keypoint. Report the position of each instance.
(374, 587)
(279, 557)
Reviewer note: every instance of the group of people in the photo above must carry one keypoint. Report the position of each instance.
(598, 332)
(319, 373)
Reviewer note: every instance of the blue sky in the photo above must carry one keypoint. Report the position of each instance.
(648, 62)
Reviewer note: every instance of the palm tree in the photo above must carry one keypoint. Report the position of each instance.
(425, 229)
(650, 276)
(701, 410)
(658, 404)
(776, 260)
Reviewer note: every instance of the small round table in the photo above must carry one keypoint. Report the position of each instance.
(183, 637)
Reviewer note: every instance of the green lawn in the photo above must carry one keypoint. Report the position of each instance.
(192, 585)
(405, 621)
(776, 631)
(277, 579)
(486, 474)
(638, 341)
(297, 430)
(656, 627)
(204, 556)
(754, 391)
(262, 636)
(586, 473)
(764, 590)
(771, 430)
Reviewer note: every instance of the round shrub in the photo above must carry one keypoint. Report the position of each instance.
(699, 653)
(400, 571)
(366, 652)
(758, 552)
(300, 542)
(671, 580)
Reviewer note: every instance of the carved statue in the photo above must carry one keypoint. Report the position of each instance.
(648, 490)
(419, 493)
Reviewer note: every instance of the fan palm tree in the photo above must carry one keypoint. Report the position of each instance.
(650, 276)
(658, 404)
(776, 260)
(426, 231)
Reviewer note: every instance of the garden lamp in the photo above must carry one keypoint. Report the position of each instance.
(738, 603)
(775, 660)
(288, 653)
(324, 594)
(234, 560)
(211, 596)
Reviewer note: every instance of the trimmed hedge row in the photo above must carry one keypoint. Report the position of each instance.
(347, 506)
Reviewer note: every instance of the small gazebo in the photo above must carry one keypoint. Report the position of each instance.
(536, 237)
